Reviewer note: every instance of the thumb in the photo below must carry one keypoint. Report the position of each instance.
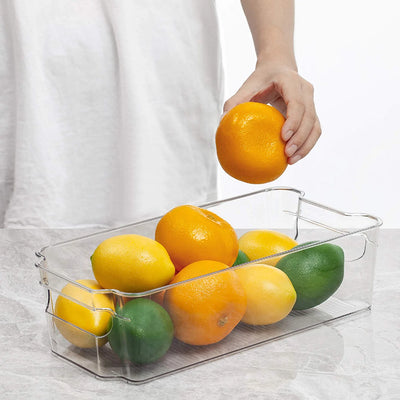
(241, 96)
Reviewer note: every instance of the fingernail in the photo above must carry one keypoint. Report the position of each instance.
(287, 135)
(291, 150)
(295, 159)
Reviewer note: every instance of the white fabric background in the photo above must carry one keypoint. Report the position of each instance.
(108, 109)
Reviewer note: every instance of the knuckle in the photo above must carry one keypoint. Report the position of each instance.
(310, 117)
(318, 128)
(307, 86)
(293, 74)
(296, 104)
(303, 152)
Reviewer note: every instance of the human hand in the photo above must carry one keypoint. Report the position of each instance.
(293, 96)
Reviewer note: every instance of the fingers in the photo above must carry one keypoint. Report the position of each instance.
(305, 120)
(236, 99)
(298, 95)
(307, 145)
(245, 93)
(302, 128)
(294, 116)
(250, 91)
(293, 96)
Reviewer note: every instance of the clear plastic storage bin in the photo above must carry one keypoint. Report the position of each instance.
(282, 209)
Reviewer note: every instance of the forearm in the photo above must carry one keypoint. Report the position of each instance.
(271, 24)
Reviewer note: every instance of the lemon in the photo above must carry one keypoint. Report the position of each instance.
(270, 294)
(131, 263)
(94, 322)
(263, 243)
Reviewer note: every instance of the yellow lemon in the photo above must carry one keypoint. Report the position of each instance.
(270, 294)
(94, 322)
(263, 243)
(132, 263)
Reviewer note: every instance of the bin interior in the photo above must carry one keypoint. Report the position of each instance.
(281, 209)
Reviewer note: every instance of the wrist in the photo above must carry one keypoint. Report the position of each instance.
(277, 59)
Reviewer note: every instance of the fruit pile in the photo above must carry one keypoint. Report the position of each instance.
(188, 283)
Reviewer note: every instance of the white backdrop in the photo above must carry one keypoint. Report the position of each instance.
(349, 51)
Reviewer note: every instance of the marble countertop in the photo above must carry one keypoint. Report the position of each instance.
(356, 358)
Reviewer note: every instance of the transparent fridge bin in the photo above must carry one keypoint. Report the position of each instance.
(281, 209)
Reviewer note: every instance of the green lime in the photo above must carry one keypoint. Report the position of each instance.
(241, 258)
(145, 335)
(316, 273)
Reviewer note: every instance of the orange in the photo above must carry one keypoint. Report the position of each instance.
(131, 263)
(270, 294)
(192, 234)
(249, 143)
(205, 310)
(84, 323)
(263, 243)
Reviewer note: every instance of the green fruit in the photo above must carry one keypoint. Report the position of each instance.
(316, 273)
(145, 335)
(241, 258)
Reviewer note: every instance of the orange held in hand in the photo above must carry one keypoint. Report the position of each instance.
(192, 234)
(205, 310)
(249, 143)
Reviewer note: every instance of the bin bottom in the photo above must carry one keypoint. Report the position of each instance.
(104, 363)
